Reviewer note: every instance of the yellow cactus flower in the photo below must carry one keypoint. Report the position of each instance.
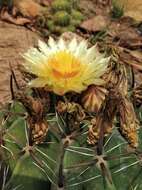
(65, 67)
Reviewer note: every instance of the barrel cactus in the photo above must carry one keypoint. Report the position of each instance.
(65, 129)
(77, 15)
(61, 18)
(63, 15)
(61, 5)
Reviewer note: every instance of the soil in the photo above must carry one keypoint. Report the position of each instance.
(14, 40)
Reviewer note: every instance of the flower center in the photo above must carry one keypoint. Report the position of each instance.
(64, 65)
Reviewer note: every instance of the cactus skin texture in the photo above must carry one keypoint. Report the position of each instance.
(63, 16)
(34, 167)
(62, 159)
(26, 161)
(61, 5)
(43, 140)
(50, 25)
(77, 15)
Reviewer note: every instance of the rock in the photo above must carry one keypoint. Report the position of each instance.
(95, 24)
(28, 8)
(68, 36)
(14, 40)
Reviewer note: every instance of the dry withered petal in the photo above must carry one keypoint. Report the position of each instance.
(102, 125)
(129, 124)
(93, 133)
(137, 95)
(71, 108)
(75, 113)
(35, 106)
(38, 130)
(93, 97)
(77, 110)
(116, 77)
(61, 107)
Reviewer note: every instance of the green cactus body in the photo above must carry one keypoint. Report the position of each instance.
(50, 25)
(37, 166)
(77, 15)
(61, 5)
(65, 29)
(71, 28)
(64, 159)
(61, 18)
(27, 162)
(75, 23)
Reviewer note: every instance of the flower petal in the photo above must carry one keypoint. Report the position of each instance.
(38, 82)
(63, 67)
(73, 45)
(43, 47)
(61, 44)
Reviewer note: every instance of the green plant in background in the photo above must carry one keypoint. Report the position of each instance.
(77, 15)
(73, 129)
(61, 5)
(8, 3)
(61, 18)
(117, 11)
(64, 15)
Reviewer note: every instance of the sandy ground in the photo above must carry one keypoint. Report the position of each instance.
(14, 40)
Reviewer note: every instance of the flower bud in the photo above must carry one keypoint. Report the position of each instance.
(38, 130)
(103, 124)
(93, 98)
(61, 107)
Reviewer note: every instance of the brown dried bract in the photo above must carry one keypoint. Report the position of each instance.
(93, 97)
(116, 77)
(35, 108)
(137, 95)
(75, 113)
(71, 108)
(61, 107)
(38, 130)
(128, 122)
(103, 124)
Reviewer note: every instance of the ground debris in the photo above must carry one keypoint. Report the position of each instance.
(15, 41)
(95, 24)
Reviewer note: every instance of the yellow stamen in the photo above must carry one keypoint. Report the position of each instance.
(64, 65)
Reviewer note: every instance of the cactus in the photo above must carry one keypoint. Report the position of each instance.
(59, 142)
(75, 23)
(50, 25)
(38, 166)
(76, 18)
(70, 28)
(61, 18)
(61, 5)
(77, 15)
(117, 10)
